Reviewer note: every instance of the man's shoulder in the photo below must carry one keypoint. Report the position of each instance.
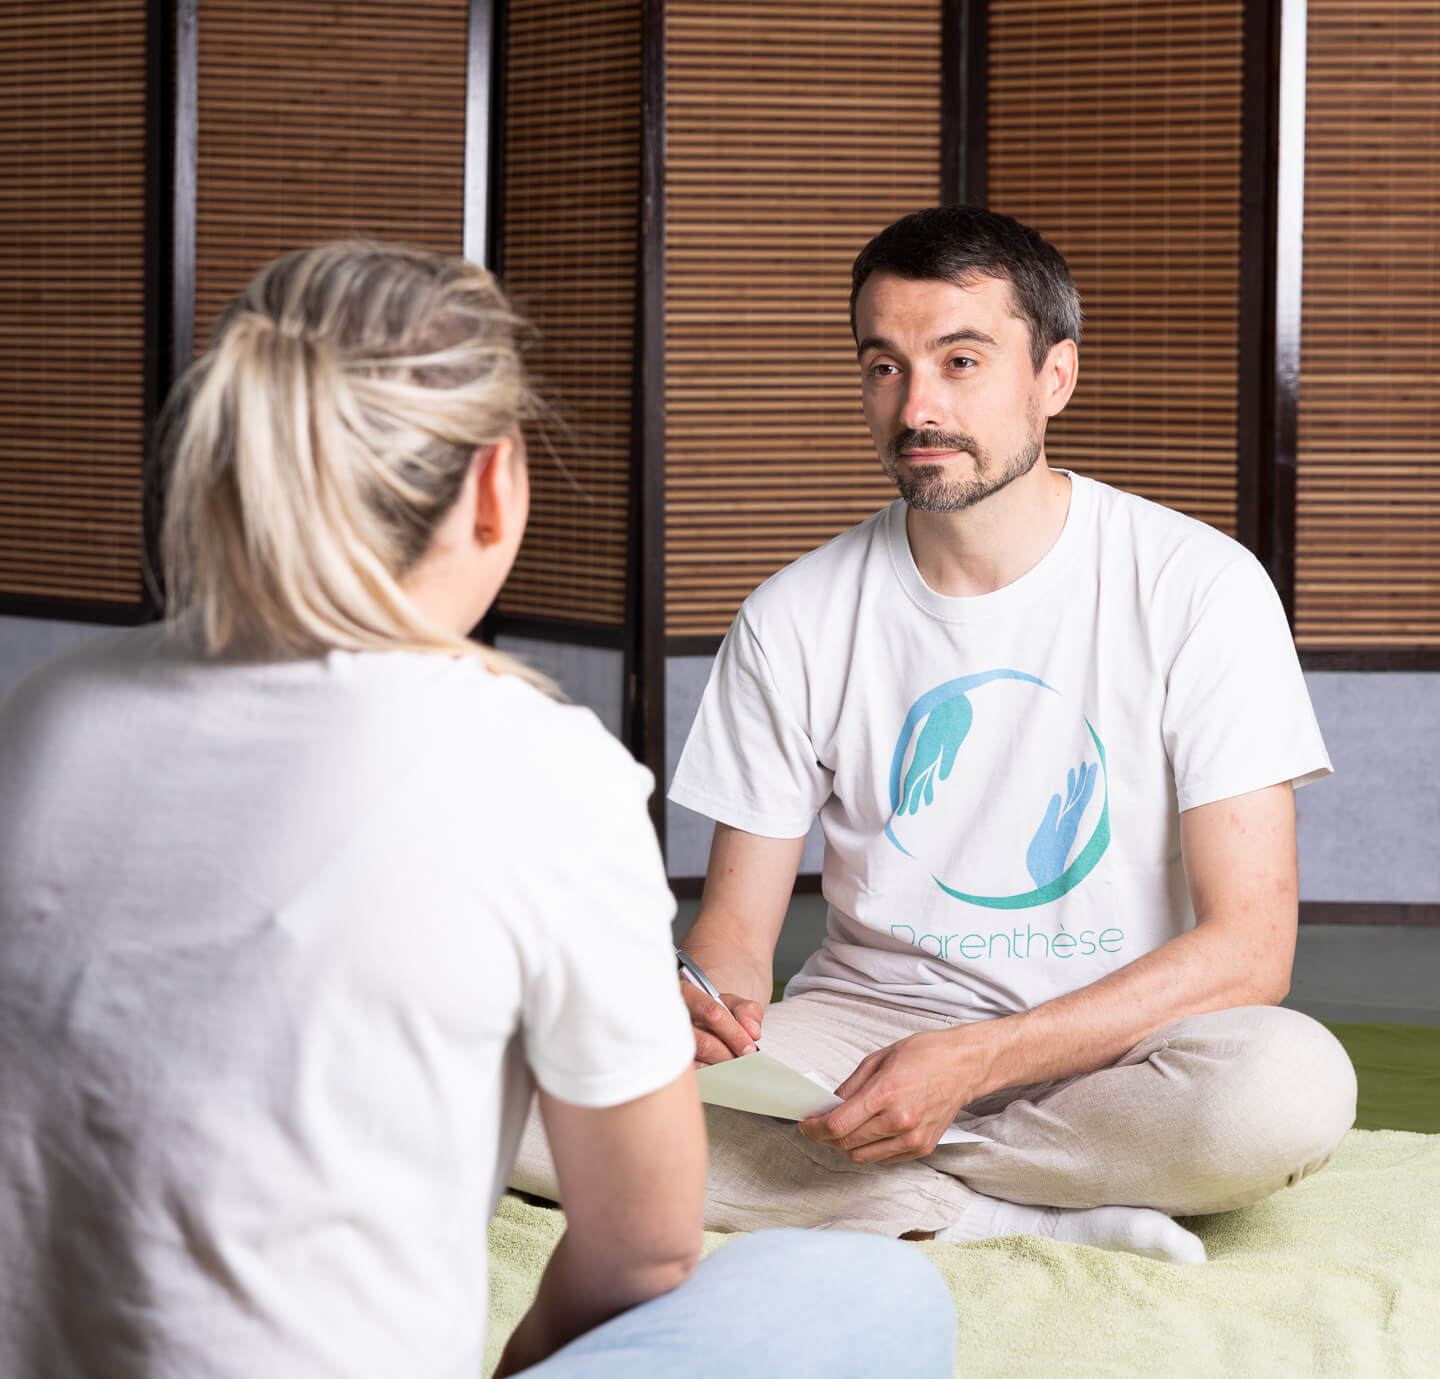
(1161, 537)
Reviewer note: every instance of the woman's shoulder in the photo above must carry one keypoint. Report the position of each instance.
(499, 723)
(76, 679)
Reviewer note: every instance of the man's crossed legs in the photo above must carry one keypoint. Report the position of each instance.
(1211, 1113)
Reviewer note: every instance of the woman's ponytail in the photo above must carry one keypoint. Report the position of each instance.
(316, 445)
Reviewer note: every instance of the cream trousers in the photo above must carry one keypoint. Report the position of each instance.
(1211, 1113)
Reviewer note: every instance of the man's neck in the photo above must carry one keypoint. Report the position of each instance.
(985, 547)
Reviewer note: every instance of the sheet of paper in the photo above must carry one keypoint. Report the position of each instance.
(764, 1085)
(767, 1087)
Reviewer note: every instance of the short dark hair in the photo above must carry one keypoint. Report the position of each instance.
(960, 243)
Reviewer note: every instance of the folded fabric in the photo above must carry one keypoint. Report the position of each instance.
(1338, 1276)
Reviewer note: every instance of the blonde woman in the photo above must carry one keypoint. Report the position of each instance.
(301, 890)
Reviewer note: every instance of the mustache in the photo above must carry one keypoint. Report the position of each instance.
(928, 438)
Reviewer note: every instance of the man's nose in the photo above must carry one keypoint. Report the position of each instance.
(923, 404)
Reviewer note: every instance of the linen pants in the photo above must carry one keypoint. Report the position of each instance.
(1213, 1112)
(791, 1303)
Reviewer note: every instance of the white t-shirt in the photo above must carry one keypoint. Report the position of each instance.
(1000, 778)
(280, 945)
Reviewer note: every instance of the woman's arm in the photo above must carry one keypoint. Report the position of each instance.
(632, 1181)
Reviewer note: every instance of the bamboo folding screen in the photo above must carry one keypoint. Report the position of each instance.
(1367, 522)
(570, 249)
(1115, 130)
(795, 130)
(72, 299)
(317, 122)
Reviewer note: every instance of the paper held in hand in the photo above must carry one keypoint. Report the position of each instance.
(768, 1087)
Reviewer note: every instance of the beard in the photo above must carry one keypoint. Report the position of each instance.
(930, 490)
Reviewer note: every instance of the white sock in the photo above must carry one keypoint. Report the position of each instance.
(1138, 1230)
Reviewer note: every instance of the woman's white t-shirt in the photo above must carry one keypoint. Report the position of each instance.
(280, 948)
(1000, 778)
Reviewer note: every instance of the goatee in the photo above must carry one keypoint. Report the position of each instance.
(930, 490)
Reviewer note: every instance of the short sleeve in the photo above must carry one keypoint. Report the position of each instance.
(602, 1016)
(1237, 713)
(749, 761)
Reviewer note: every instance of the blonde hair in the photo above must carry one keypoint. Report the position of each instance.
(316, 445)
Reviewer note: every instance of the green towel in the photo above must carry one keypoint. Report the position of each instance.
(1337, 1277)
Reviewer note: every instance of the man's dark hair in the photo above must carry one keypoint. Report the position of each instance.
(958, 244)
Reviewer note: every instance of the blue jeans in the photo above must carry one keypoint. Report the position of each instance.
(798, 1304)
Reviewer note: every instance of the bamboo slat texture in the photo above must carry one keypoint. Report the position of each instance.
(72, 322)
(1115, 130)
(795, 129)
(570, 257)
(321, 121)
(1367, 522)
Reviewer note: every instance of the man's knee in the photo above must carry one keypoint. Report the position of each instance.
(1277, 1100)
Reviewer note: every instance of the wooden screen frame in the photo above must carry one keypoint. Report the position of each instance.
(640, 638)
(168, 266)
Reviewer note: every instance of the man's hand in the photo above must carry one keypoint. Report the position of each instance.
(722, 1031)
(901, 1099)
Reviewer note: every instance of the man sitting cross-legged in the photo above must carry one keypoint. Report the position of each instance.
(1051, 732)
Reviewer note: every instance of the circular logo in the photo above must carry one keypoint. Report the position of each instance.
(999, 787)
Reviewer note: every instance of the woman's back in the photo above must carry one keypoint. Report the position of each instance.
(269, 934)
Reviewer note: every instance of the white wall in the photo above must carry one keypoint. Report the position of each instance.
(590, 675)
(1371, 832)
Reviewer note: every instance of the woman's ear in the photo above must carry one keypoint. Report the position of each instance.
(501, 493)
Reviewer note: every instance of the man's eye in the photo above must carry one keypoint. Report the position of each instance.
(962, 361)
(882, 370)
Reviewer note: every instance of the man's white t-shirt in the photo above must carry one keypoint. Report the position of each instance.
(280, 948)
(1000, 778)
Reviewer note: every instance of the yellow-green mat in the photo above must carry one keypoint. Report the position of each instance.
(1337, 1278)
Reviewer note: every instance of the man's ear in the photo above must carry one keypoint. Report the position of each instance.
(1058, 374)
(495, 479)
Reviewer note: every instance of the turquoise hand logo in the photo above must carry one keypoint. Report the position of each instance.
(938, 725)
(1045, 858)
(940, 740)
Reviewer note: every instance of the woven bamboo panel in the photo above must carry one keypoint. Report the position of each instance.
(72, 310)
(1367, 522)
(795, 130)
(1115, 130)
(571, 246)
(318, 121)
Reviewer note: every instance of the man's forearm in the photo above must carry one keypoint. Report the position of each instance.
(1212, 967)
(747, 888)
(734, 958)
(1240, 868)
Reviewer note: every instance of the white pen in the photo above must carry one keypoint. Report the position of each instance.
(691, 971)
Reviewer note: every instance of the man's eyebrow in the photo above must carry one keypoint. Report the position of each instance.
(966, 335)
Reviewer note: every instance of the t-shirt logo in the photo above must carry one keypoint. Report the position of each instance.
(976, 793)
